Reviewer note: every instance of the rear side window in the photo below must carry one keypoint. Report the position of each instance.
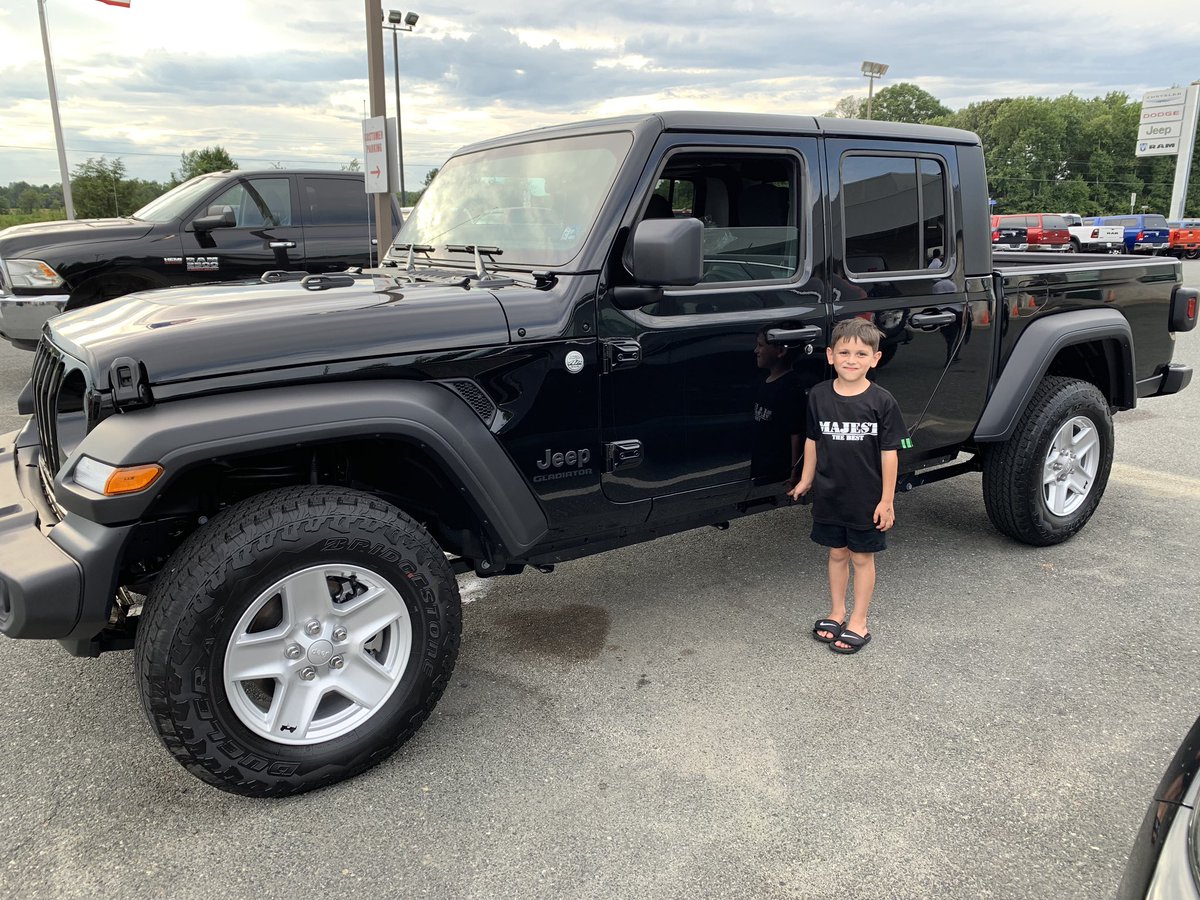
(893, 213)
(336, 201)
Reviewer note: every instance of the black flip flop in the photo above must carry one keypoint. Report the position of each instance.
(853, 639)
(834, 628)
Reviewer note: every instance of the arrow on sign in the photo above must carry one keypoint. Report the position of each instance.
(375, 171)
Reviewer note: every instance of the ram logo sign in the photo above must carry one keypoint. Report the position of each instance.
(1160, 125)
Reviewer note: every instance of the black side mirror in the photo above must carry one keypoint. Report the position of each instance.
(665, 252)
(217, 217)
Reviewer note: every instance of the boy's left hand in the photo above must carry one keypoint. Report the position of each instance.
(885, 516)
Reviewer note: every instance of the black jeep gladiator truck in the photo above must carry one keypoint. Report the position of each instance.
(223, 226)
(267, 489)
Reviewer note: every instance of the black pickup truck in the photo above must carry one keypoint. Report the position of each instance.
(267, 489)
(223, 226)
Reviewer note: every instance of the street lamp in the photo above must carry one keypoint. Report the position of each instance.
(397, 21)
(872, 70)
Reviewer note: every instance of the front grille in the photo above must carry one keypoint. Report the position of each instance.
(48, 371)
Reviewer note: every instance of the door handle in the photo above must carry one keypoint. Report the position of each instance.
(932, 319)
(282, 245)
(794, 335)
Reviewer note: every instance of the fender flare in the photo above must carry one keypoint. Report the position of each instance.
(183, 433)
(1036, 349)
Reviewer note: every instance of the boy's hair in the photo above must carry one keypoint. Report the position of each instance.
(854, 327)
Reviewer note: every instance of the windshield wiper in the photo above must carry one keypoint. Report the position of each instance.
(482, 275)
(413, 248)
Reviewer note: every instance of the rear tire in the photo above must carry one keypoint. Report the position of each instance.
(1043, 484)
(1073, 246)
(297, 639)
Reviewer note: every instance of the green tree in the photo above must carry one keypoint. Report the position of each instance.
(849, 107)
(29, 200)
(905, 102)
(100, 189)
(353, 166)
(199, 162)
(96, 188)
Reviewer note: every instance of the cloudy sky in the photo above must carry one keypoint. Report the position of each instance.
(287, 83)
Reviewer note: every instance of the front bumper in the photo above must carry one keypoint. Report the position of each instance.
(57, 578)
(22, 317)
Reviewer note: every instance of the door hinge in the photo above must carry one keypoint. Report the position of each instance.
(622, 455)
(621, 354)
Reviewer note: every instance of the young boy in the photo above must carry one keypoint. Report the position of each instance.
(850, 461)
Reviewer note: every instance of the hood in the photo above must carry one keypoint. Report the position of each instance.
(182, 334)
(21, 238)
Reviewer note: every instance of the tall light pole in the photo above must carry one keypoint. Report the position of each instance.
(376, 86)
(394, 20)
(872, 70)
(58, 137)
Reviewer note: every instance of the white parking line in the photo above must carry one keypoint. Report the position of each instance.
(1157, 482)
(471, 588)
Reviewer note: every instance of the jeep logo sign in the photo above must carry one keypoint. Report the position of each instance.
(554, 460)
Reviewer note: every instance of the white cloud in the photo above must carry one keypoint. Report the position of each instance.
(289, 84)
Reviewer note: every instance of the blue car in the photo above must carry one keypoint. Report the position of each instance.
(1143, 234)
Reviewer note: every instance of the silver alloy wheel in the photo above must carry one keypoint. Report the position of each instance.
(338, 679)
(1070, 467)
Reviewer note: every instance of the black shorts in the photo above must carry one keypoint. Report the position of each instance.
(859, 540)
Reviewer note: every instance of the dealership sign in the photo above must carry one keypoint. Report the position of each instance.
(1161, 122)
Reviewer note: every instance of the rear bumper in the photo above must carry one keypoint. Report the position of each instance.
(57, 578)
(1148, 247)
(1171, 380)
(22, 318)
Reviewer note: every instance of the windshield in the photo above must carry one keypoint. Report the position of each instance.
(535, 202)
(175, 203)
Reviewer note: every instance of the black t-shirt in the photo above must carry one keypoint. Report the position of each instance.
(778, 414)
(850, 433)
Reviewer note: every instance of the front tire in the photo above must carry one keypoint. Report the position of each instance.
(297, 639)
(1043, 484)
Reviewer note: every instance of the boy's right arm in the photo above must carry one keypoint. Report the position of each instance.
(808, 472)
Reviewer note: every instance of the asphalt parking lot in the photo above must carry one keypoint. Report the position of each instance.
(657, 722)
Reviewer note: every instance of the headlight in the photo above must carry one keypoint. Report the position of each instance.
(110, 480)
(32, 273)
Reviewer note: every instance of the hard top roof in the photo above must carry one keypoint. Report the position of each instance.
(744, 123)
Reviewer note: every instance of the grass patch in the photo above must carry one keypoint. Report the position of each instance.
(38, 215)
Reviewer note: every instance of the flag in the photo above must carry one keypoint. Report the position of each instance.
(122, 3)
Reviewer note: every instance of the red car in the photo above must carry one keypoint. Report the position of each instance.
(1030, 231)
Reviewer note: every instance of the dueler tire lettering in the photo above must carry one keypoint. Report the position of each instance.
(1015, 472)
(206, 592)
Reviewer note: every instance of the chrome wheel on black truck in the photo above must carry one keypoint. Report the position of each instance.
(297, 639)
(1043, 483)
